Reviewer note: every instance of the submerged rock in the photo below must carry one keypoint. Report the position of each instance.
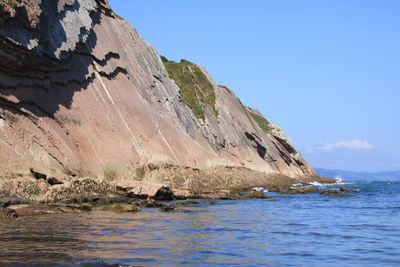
(81, 206)
(7, 213)
(349, 190)
(149, 203)
(301, 190)
(247, 195)
(121, 207)
(334, 192)
(188, 203)
(8, 201)
(28, 210)
(166, 208)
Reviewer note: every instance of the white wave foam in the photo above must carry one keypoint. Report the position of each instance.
(297, 185)
(260, 189)
(339, 181)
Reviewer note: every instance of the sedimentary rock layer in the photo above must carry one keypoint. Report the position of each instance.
(81, 93)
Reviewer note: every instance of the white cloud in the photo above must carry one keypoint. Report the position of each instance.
(353, 144)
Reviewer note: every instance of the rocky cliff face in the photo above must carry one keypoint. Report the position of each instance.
(81, 93)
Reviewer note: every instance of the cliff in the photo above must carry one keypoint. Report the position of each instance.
(81, 94)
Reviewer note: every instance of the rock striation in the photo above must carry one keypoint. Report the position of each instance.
(82, 95)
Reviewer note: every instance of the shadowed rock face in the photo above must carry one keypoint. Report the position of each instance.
(81, 92)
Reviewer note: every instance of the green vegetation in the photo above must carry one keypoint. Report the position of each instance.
(262, 122)
(196, 89)
(12, 4)
(226, 88)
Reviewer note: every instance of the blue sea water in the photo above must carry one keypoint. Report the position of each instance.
(289, 230)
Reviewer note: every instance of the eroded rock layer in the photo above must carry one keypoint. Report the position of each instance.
(81, 93)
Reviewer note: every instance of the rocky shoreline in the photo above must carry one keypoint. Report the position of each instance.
(38, 185)
(43, 194)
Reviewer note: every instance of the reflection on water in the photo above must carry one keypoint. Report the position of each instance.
(293, 230)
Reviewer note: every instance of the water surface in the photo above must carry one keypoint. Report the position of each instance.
(291, 230)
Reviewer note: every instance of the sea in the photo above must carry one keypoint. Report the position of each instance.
(286, 230)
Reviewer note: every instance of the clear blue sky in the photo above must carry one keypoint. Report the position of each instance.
(328, 72)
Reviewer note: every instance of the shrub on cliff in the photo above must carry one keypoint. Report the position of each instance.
(196, 90)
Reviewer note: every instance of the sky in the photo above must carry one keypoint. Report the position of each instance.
(327, 72)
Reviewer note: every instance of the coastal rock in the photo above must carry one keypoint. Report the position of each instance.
(82, 95)
(166, 208)
(7, 213)
(301, 190)
(188, 203)
(121, 208)
(80, 188)
(28, 210)
(348, 190)
(8, 201)
(334, 192)
(247, 195)
(144, 190)
(164, 193)
(150, 203)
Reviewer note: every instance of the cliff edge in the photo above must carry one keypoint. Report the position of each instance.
(82, 95)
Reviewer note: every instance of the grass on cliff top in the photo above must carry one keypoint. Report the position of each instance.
(12, 4)
(196, 89)
(226, 88)
(262, 122)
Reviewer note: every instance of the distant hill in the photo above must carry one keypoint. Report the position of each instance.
(360, 176)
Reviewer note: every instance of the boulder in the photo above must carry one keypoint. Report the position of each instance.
(164, 193)
(143, 190)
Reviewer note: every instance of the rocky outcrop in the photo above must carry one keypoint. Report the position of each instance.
(81, 94)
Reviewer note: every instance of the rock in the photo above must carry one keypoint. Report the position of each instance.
(348, 190)
(57, 88)
(150, 203)
(81, 206)
(188, 203)
(166, 208)
(164, 193)
(80, 188)
(138, 189)
(247, 195)
(71, 207)
(8, 201)
(301, 190)
(54, 181)
(7, 213)
(121, 208)
(334, 192)
(38, 175)
(218, 194)
(27, 210)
